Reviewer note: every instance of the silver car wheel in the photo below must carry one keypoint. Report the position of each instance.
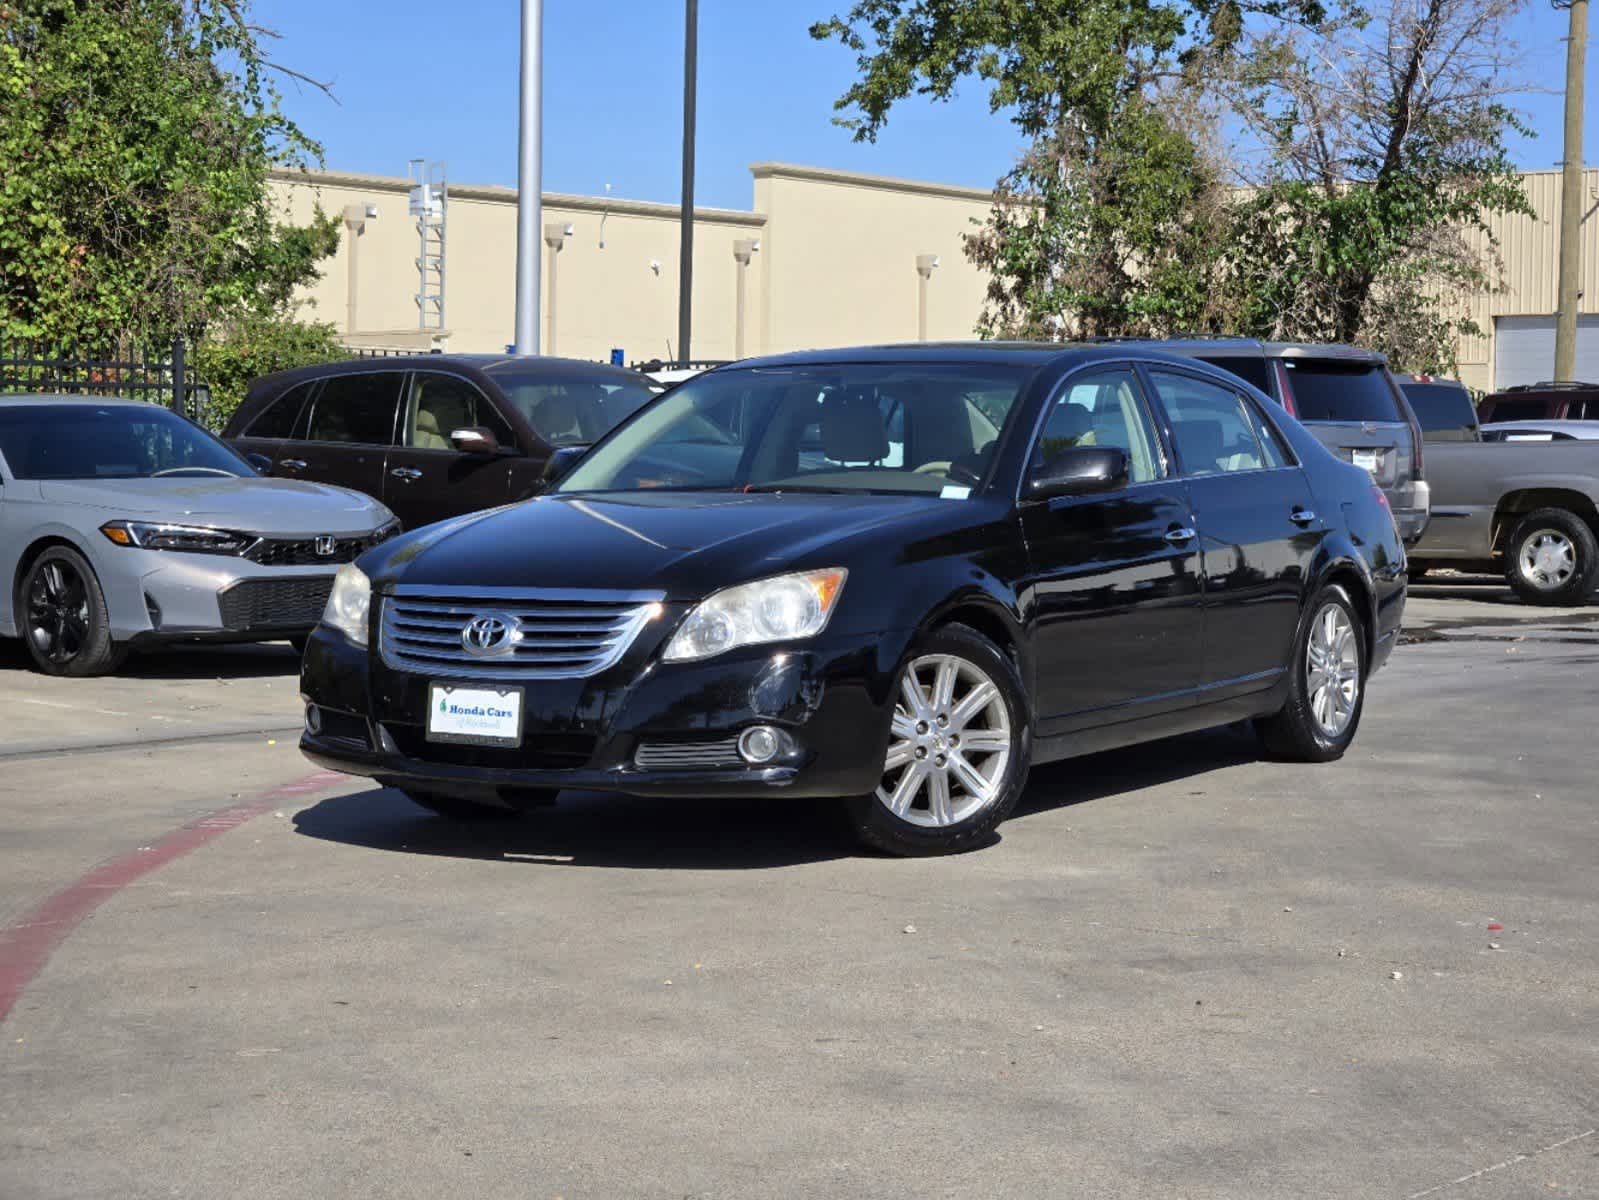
(1547, 560)
(1332, 669)
(950, 745)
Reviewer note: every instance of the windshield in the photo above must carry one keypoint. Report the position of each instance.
(1336, 391)
(572, 408)
(1444, 410)
(84, 440)
(913, 428)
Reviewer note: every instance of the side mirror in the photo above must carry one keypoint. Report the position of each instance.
(561, 462)
(475, 439)
(261, 463)
(1079, 471)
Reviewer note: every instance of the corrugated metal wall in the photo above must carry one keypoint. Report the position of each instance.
(1529, 248)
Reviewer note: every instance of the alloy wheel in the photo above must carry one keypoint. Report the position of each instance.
(950, 745)
(1332, 669)
(1547, 559)
(58, 612)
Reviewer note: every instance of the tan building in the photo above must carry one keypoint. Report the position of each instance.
(824, 258)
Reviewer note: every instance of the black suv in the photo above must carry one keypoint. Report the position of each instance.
(434, 435)
(1346, 397)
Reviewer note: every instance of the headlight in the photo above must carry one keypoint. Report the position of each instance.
(195, 539)
(349, 603)
(384, 532)
(779, 609)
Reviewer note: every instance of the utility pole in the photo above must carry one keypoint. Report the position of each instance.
(530, 179)
(1571, 196)
(685, 270)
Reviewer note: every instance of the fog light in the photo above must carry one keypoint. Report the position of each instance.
(760, 744)
(313, 719)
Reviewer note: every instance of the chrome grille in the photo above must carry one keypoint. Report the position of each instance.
(683, 756)
(555, 634)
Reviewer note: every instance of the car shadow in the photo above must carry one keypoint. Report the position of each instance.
(249, 660)
(594, 830)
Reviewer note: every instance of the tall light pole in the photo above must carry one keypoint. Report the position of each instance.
(685, 271)
(530, 178)
(1571, 197)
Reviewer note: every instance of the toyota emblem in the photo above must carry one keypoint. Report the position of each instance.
(489, 634)
(326, 544)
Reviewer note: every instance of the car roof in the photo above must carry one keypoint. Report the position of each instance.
(970, 353)
(435, 362)
(26, 399)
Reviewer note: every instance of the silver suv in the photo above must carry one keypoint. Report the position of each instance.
(1346, 397)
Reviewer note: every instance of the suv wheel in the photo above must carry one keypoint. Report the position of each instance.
(1552, 558)
(958, 749)
(1326, 684)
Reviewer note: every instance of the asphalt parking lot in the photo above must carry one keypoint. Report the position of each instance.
(1182, 971)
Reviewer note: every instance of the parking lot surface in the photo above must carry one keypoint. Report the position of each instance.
(1182, 971)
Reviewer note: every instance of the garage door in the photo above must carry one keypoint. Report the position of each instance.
(1524, 349)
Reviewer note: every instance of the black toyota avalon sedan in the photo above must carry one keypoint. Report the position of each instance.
(898, 576)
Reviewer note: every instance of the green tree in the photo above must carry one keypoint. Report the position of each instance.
(257, 345)
(1382, 155)
(1109, 222)
(135, 141)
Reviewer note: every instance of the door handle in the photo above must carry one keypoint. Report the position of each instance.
(1180, 533)
(1302, 517)
(406, 473)
(292, 464)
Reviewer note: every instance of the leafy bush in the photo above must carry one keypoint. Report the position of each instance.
(227, 360)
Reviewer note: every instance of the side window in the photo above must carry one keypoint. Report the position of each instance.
(278, 419)
(1103, 408)
(1211, 425)
(357, 408)
(1271, 443)
(440, 404)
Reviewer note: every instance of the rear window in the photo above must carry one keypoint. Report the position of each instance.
(1336, 391)
(278, 419)
(1444, 410)
(1520, 410)
(1251, 370)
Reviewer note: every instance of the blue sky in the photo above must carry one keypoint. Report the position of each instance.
(439, 80)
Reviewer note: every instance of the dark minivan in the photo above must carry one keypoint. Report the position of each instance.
(433, 435)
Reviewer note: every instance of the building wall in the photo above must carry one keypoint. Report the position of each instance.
(836, 266)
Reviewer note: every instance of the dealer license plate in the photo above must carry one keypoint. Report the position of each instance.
(1366, 459)
(474, 716)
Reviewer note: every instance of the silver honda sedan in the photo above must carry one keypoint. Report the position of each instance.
(122, 524)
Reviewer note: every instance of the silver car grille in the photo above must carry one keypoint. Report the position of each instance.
(554, 634)
(682, 756)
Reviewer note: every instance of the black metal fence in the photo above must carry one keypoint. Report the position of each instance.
(159, 375)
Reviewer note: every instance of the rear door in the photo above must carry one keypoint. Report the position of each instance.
(1258, 528)
(427, 478)
(1114, 576)
(1353, 410)
(346, 431)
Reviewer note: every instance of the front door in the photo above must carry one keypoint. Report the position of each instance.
(1258, 528)
(428, 479)
(347, 432)
(1114, 576)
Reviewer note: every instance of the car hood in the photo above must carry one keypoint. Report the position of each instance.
(254, 505)
(680, 543)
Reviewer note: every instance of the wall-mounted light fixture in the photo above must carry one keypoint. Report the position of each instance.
(926, 264)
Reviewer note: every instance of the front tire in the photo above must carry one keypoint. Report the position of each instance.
(1552, 558)
(62, 616)
(958, 749)
(1326, 686)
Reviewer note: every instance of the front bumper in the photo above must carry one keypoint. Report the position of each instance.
(163, 595)
(834, 700)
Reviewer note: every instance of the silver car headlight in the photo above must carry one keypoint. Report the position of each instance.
(194, 539)
(349, 603)
(779, 609)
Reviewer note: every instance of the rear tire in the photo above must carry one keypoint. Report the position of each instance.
(1326, 684)
(957, 754)
(62, 617)
(1552, 558)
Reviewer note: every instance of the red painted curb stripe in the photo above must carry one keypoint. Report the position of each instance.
(27, 944)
